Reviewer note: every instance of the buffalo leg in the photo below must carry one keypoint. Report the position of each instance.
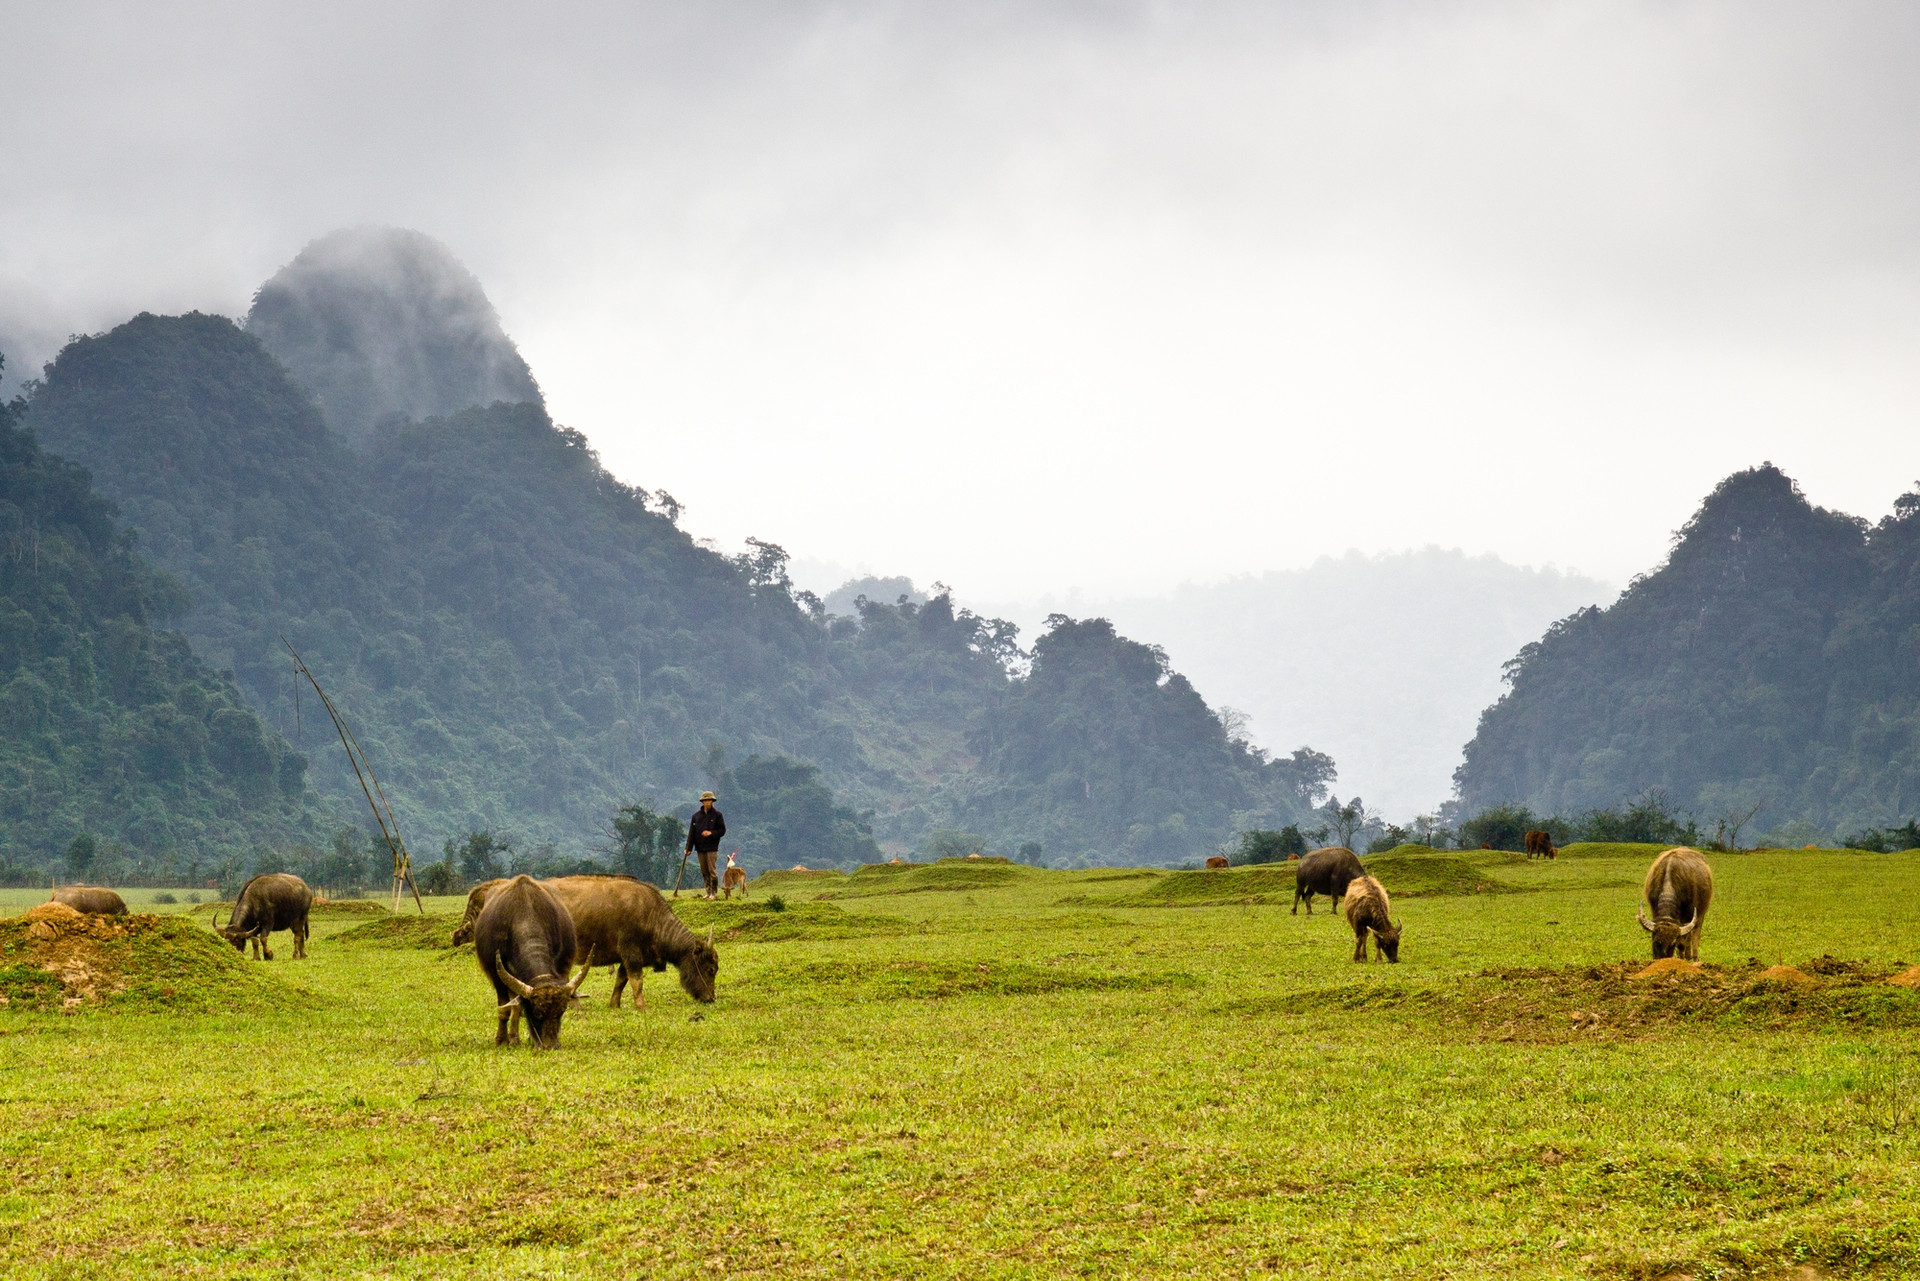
(619, 984)
(500, 1030)
(300, 942)
(1360, 945)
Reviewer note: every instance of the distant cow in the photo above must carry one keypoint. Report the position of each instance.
(269, 902)
(476, 899)
(1214, 860)
(88, 898)
(525, 943)
(734, 878)
(1328, 871)
(1541, 843)
(1367, 909)
(1679, 889)
(620, 921)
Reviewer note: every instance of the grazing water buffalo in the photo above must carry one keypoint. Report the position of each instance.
(1679, 889)
(272, 901)
(1325, 871)
(525, 942)
(1367, 908)
(1541, 843)
(476, 899)
(620, 921)
(88, 898)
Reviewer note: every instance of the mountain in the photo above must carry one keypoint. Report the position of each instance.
(524, 643)
(1384, 661)
(1768, 661)
(114, 728)
(378, 323)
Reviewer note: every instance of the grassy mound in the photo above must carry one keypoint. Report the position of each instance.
(776, 879)
(919, 878)
(1613, 849)
(757, 922)
(354, 907)
(429, 933)
(68, 962)
(1429, 875)
(1265, 883)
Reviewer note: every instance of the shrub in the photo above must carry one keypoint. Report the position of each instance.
(776, 904)
(165, 896)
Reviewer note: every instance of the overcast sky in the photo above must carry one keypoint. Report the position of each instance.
(1030, 298)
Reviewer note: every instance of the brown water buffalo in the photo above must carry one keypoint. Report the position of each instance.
(89, 898)
(525, 943)
(1215, 861)
(1541, 843)
(624, 922)
(1367, 912)
(476, 899)
(1679, 889)
(269, 902)
(1328, 871)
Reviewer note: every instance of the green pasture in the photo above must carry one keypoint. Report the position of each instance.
(984, 1070)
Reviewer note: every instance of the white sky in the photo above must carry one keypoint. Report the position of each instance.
(1030, 298)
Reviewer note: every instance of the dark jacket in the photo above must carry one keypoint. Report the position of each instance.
(705, 829)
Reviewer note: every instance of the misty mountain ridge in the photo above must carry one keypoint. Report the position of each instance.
(382, 323)
(1772, 661)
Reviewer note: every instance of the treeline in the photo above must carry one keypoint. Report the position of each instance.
(1766, 673)
(525, 645)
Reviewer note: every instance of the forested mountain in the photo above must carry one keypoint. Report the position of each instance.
(1770, 661)
(114, 729)
(524, 643)
(382, 323)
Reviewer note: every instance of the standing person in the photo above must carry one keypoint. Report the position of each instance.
(704, 831)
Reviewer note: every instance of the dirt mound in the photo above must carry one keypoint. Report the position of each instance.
(1671, 965)
(56, 959)
(1907, 978)
(1786, 974)
(427, 933)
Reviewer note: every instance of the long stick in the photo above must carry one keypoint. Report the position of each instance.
(356, 757)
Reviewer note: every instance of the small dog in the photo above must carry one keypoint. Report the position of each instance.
(734, 877)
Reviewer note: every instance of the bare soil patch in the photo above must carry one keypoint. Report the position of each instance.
(54, 959)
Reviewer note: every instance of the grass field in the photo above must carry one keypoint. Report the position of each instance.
(972, 1070)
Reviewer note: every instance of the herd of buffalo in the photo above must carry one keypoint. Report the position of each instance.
(529, 935)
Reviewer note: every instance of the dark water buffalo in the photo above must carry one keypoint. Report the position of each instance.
(525, 943)
(476, 899)
(624, 922)
(1325, 871)
(1367, 912)
(1541, 843)
(269, 902)
(1679, 889)
(89, 898)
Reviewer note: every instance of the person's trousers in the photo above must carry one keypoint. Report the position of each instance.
(707, 873)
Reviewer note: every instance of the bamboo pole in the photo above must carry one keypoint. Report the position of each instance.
(363, 770)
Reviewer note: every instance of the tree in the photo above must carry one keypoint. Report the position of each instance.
(645, 843)
(482, 856)
(1344, 820)
(1031, 854)
(1258, 846)
(1503, 827)
(80, 854)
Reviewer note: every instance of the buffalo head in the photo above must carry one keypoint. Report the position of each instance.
(700, 968)
(1387, 942)
(1669, 937)
(541, 1005)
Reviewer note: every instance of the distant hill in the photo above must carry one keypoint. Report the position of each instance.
(1771, 659)
(113, 727)
(525, 643)
(1383, 661)
(379, 323)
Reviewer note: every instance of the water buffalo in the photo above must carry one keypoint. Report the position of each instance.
(269, 902)
(88, 898)
(525, 943)
(1327, 871)
(1541, 843)
(1215, 861)
(1679, 889)
(624, 922)
(476, 899)
(1367, 909)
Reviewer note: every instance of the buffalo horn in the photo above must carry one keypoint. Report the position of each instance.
(514, 985)
(709, 936)
(514, 1004)
(1688, 927)
(1644, 923)
(581, 978)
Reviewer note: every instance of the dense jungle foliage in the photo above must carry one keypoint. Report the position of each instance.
(1766, 672)
(117, 738)
(525, 645)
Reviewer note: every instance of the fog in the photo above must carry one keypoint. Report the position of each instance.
(1033, 298)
